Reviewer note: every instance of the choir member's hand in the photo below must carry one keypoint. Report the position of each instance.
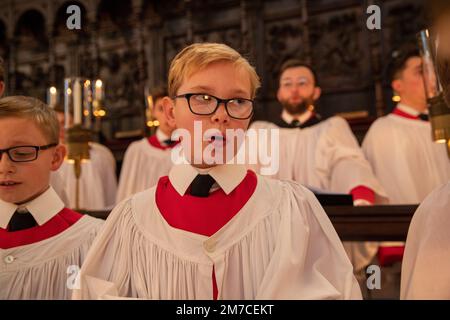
(362, 202)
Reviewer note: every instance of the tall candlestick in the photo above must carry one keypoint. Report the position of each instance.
(98, 90)
(52, 97)
(77, 102)
(87, 104)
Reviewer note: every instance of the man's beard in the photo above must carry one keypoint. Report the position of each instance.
(297, 108)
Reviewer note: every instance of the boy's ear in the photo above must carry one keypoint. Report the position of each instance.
(58, 157)
(397, 85)
(169, 105)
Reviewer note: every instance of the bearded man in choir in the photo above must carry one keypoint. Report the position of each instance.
(321, 154)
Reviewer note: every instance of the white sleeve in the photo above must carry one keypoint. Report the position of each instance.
(309, 261)
(426, 262)
(102, 261)
(339, 153)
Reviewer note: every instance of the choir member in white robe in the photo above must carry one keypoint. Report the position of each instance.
(148, 159)
(399, 146)
(426, 263)
(405, 159)
(425, 270)
(145, 161)
(267, 239)
(98, 182)
(322, 154)
(40, 240)
(38, 263)
(211, 230)
(327, 157)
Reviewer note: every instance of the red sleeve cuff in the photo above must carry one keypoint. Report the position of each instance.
(364, 193)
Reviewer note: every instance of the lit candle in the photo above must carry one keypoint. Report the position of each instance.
(51, 97)
(98, 90)
(87, 104)
(77, 102)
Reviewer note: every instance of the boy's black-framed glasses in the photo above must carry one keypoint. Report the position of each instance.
(25, 153)
(206, 104)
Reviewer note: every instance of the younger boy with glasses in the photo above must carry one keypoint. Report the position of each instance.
(40, 239)
(211, 230)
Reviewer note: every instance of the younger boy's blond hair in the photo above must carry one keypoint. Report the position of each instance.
(31, 108)
(198, 56)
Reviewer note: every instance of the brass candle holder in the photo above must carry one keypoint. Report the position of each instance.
(78, 124)
(438, 109)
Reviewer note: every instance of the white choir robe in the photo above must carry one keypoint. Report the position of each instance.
(404, 158)
(98, 182)
(143, 165)
(426, 262)
(44, 269)
(327, 156)
(280, 245)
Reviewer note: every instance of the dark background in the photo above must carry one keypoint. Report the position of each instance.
(130, 43)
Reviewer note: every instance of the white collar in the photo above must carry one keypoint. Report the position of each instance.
(161, 136)
(407, 109)
(227, 176)
(302, 118)
(43, 208)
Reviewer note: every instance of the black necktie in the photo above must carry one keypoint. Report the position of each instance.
(423, 116)
(21, 221)
(295, 123)
(169, 142)
(201, 185)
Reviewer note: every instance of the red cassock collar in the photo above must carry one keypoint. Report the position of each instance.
(60, 222)
(203, 216)
(153, 140)
(403, 114)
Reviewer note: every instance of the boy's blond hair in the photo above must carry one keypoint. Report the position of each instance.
(31, 108)
(197, 56)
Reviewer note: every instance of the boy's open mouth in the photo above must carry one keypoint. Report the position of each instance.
(7, 184)
(217, 139)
